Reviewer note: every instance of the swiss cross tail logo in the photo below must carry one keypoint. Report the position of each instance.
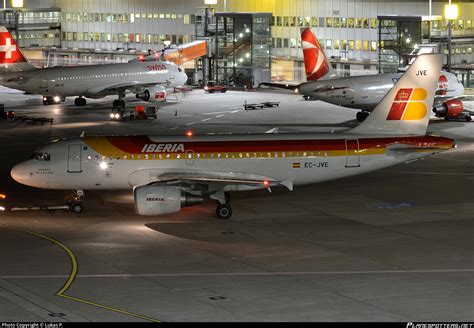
(9, 52)
(408, 105)
(315, 62)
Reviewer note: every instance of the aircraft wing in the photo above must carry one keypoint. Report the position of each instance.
(210, 181)
(221, 178)
(286, 86)
(114, 87)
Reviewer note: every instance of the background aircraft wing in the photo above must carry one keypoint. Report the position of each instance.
(286, 86)
(115, 87)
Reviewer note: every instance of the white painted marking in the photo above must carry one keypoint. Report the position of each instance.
(430, 173)
(277, 273)
(206, 119)
(8, 48)
(191, 123)
(220, 115)
(174, 128)
(235, 111)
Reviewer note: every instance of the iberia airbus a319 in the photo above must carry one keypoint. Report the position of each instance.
(168, 173)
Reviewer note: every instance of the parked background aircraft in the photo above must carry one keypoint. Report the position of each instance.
(167, 173)
(364, 92)
(148, 80)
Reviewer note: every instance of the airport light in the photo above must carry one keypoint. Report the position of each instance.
(210, 2)
(103, 165)
(17, 3)
(450, 13)
(189, 133)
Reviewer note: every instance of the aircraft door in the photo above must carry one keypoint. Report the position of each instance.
(74, 158)
(43, 83)
(352, 153)
(349, 92)
(190, 157)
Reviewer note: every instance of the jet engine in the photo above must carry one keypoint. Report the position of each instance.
(155, 94)
(450, 109)
(158, 200)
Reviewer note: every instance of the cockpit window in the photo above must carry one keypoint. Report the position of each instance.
(179, 69)
(39, 156)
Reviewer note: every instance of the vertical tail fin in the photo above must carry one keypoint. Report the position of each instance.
(405, 109)
(11, 57)
(316, 64)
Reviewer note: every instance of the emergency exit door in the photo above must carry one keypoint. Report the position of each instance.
(352, 153)
(74, 158)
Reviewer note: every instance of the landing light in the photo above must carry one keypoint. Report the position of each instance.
(2, 208)
(56, 99)
(3, 196)
(103, 165)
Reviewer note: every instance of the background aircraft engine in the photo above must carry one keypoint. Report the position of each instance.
(155, 94)
(158, 200)
(451, 108)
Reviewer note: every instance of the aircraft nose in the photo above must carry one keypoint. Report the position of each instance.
(22, 173)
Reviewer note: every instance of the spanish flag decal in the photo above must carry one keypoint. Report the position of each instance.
(408, 105)
(296, 165)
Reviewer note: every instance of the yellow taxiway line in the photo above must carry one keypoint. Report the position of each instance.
(73, 274)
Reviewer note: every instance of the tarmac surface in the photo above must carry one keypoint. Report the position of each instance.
(390, 245)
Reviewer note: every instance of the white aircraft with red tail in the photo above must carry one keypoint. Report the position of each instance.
(148, 80)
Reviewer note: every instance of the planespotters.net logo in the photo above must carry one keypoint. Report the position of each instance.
(408, 105)
(439, 325)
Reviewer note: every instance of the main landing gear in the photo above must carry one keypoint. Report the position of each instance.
(80, 101)
(119, 102)
(361, 116)
(223, 209)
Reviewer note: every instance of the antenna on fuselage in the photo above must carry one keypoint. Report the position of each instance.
(82, 134)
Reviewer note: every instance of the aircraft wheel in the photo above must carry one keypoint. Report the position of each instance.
(224, 90)
(79, 101)
(118, 103)
(468, 118)
(77, 208)
(224, 211)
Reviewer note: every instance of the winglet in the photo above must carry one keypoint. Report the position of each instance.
(288, 184)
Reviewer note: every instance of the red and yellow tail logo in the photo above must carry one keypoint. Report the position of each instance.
(408, 105)
(315, 62)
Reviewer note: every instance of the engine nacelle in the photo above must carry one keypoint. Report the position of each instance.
(451, 108)
(155, 94)
(159, 200)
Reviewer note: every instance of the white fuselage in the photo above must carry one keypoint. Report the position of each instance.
(95, 81)
(124, 162)
(365, 92)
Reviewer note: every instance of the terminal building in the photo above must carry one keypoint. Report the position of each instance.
(359, 37)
